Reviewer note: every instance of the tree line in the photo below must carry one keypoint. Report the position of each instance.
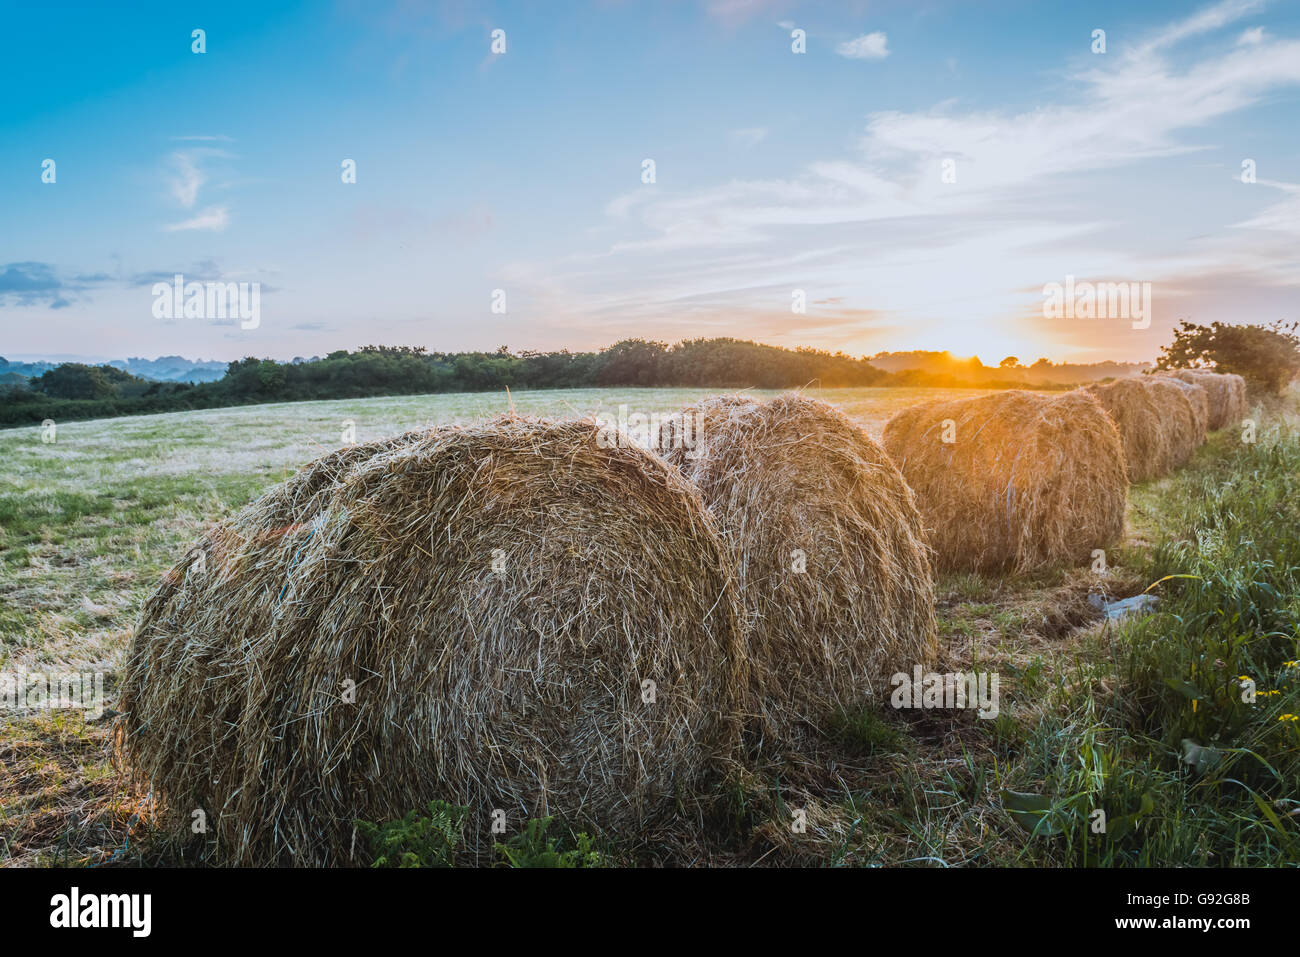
(79, 391)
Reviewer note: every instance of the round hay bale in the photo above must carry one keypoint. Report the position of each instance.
(290, 499)
(1199, 399)
(1237, 400)
(1013, 480)
(1141, 423)
(1181, 424)
(475, 616)
(826, 540)
(1226, 392)
(295, 500)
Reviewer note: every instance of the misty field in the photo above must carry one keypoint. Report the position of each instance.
(1093, 715)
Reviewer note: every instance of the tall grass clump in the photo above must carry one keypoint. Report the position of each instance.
(1183, 725)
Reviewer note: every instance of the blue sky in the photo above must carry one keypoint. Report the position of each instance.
(775, 171)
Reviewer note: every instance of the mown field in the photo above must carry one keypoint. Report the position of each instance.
(1142, 720)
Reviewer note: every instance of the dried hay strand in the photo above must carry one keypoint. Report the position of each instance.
(1199, 398)
(290, 499)
(1027, 480)
(297, 499)
(1181, 421)
(826, 540)
(1140, 420)
(1226, 392)
(518, 687)
(1236, 403)
(283, 509)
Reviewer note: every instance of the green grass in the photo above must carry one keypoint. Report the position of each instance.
(1150, 725)
(866, 731)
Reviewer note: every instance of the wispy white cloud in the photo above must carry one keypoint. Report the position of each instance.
(869, 46)
(1127, 113)
(887, 224)
(187, 178)
(1211, 18)
(212, 219)
(1282, 216)
(622, 204)
(188, 171)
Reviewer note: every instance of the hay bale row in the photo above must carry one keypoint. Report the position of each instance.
(1199, 400)
(478, 614)
(471, 614)
(1013, 480)
(1140, 422)
(1180, 420)
(1157, 424)
(1226, 394)
(824, 534)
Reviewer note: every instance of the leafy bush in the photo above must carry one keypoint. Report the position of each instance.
(416, 840)
(1267, 357)
(419, 840)
(75, 380)
(532, 848)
